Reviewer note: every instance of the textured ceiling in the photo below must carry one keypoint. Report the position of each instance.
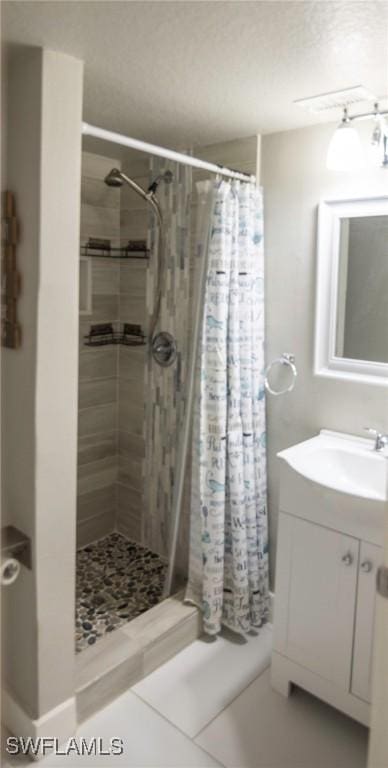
(182, 73)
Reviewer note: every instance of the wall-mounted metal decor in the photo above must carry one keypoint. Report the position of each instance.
(11, 333)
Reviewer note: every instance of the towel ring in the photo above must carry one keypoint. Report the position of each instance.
(286, 358)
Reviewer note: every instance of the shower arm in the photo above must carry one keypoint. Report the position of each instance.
(149, 197)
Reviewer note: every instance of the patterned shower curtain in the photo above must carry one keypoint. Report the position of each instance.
(228, 568)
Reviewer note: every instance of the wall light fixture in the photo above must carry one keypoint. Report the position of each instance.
(346, 153)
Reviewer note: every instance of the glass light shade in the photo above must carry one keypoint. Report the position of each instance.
(345, 151)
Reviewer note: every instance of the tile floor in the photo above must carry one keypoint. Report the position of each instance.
(212, 705)
(117, 580)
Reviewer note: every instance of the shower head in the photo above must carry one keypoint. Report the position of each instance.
(167, 177)
(114, 178)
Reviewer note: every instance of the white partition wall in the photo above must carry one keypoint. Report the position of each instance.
(40, 389)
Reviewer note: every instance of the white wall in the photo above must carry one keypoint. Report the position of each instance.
(295, 179)
(18, 377)
(40, 379)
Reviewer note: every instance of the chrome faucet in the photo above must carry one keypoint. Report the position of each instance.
(381, 441)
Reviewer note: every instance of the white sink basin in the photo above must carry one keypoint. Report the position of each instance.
(342, 462)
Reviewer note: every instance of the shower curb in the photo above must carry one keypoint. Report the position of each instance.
(132, 652)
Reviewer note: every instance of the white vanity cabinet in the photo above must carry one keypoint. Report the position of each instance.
(328, 553)
(325, 603)
(318, 598)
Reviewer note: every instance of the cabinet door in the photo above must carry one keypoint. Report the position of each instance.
(316, 617)
(370, 559)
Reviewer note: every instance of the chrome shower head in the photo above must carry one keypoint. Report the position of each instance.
(114, 178)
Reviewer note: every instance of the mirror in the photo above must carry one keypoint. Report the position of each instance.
(362, 300)
(352, 290)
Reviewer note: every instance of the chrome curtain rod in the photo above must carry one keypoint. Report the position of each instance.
(169, 154)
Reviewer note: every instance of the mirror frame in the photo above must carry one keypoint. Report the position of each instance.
(326, 362)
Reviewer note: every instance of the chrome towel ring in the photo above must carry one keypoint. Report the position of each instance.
(286, 358)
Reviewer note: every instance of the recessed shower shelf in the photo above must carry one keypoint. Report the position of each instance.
(100, 248)
(103, 334)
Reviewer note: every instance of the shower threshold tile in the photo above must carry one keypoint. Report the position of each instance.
(117, 580)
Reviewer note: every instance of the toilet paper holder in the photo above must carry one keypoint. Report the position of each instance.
(16, 544)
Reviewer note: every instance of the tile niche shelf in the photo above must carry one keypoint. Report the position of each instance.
(101, 248)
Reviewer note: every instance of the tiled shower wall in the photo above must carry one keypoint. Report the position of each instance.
(98, 380)
(166, 386)
(111, 378)
(131, 368)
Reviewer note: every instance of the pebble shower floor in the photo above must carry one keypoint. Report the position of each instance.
(117, 580)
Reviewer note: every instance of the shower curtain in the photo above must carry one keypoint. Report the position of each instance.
(228, 563)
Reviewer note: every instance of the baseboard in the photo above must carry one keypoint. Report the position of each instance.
(59, 723)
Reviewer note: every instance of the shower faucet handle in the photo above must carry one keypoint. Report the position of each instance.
(164, 349)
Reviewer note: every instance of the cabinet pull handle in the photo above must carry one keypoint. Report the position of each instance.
(366, 566)
(347, 559)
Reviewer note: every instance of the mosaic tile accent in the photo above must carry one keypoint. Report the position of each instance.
(165, 387)
(117, 580)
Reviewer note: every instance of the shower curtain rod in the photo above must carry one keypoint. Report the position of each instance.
(169, 154)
